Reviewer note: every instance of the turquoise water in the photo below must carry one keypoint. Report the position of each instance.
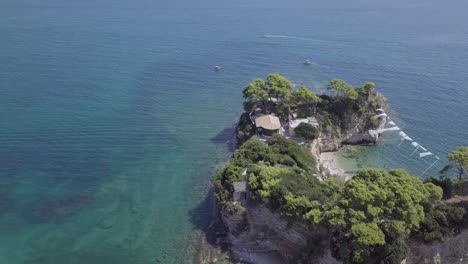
(112, 119)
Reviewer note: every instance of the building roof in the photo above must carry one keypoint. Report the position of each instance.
(294, 123)
(309, 120)
(270, 122)
(313, 121)
(240, 186)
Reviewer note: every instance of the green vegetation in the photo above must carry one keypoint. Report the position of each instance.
(458, 162)
(306, 131)
(303, 98)
(348, 108)
(445, 183)
(376, 208)
(277, 154)
(369, 217)
(343, 89)
(278, 86)
(441, 221)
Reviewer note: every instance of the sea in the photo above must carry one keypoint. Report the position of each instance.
(112, 119)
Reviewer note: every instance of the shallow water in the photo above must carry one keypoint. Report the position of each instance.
(113, 120)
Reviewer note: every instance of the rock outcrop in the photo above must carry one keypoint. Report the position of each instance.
(357, 132)
(453, 250)
(257, 235)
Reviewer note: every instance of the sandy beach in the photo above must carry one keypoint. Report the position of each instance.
(331, 166)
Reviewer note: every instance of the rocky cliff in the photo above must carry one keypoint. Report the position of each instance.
(354, 129)
(257, 235)
(453, 250)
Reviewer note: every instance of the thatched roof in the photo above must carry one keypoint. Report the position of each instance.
(270, 122)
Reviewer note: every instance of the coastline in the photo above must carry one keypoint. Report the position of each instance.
(341, 163)
(330, 163)
(331, 166)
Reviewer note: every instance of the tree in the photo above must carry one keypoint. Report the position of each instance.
(262, 179)
(445, 183)
(306, 131)
(283, 111)
(288, 148)
(303, 98)
(441, 221)
(458, 162)
(256, 92)
(279, 86)
(343, 88)
(251, 152)
(375, 206)
(253, 89)
(366, 90)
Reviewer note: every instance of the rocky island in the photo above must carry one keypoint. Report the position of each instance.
(279, 203)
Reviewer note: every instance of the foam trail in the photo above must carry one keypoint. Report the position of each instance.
(319, 65)
(294, 37)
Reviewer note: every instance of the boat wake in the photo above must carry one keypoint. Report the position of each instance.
(293, 37)
(319, 65)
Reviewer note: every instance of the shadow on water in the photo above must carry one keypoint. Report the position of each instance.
(205, 217)
(227, 137)
(203, 214)
(56, 211)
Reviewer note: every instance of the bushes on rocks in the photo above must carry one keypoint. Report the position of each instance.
(277, 151)
(306, 131)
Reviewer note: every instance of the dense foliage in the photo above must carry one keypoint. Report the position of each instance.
(445, 183)
(306, 131)
(368, 217)
(441, 221)
(277, 95)
(276, 154)
(376, 208)
(347, 107)
(292, 192)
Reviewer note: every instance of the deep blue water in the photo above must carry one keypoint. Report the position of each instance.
(112, 119)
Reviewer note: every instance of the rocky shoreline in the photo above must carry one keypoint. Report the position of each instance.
(267, 238)
(279, 202)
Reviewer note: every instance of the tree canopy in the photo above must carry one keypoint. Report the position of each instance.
(256, 92)
(277, 151)
(343, 88)
(303, 98)
(306, 131)
(279, 86)
(276, 94)
(366, 218)
(375, 207)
